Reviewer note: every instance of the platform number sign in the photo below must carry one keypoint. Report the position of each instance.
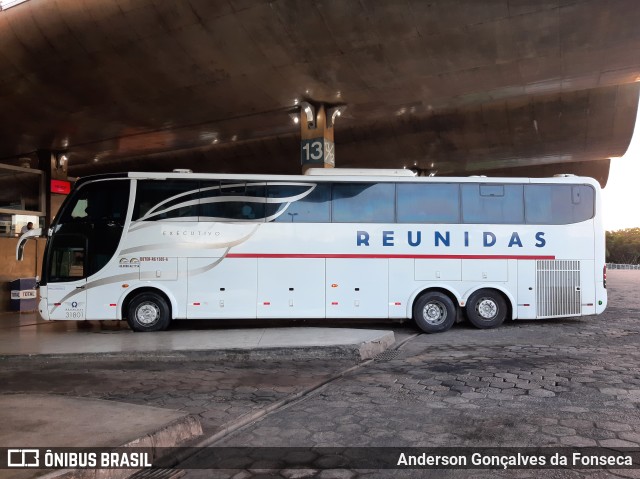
(317, 151)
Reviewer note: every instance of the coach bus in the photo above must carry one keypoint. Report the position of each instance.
(153, 248)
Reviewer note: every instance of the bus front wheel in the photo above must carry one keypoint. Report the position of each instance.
(434, 312)
(486, 309)
(148, 312)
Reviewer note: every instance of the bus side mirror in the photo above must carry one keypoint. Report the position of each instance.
(34, 233)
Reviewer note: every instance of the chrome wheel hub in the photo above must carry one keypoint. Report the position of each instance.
(487, 308)
(434, 313)
(147, 313)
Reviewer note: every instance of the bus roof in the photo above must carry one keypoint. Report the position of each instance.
(360, 175)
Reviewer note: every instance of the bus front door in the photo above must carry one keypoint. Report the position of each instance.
(67, 301)
(67, 272)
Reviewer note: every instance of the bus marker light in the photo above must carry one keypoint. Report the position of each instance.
(196, 304)
(267, 303)
(397, 304)
(125, 285)
(57, 304)
(526, 305)
(334, 285)
(112, 304)
(334, 303)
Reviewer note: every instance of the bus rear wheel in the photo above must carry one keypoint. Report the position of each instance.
(148, 312)
(434, 312)
(486, 309)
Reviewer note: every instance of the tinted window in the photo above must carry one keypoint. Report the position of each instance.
(96, 202)
(166, 200)
(68, 258)
(363, 202)
(492, 203)
(428, 203)
(558, 204)
(232, 201)
(299, 203)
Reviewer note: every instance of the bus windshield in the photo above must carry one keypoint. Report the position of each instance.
(87, 232)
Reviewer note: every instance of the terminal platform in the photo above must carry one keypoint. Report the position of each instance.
(25, 334)
(61, 420)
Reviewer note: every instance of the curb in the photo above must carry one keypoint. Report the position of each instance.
(170, 435)
(361, 351)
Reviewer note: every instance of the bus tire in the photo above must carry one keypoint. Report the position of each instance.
(486, 309)
(434, 312)
(148, 312)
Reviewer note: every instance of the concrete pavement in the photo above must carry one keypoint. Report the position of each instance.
(25, 334)
(51, 408)
(572, 382)
(554, 383)
(49, 421)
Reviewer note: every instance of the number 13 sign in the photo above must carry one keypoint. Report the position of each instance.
(317, 151)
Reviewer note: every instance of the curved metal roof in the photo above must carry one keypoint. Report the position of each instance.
(458, 86)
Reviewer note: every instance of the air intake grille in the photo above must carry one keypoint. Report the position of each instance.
(558, 288)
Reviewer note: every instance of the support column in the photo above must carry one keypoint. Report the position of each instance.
(317, 148)
(54, 165)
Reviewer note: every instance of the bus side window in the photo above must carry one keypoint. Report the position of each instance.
(68, 258)
(428, 203)
(162, 200)
(233, 201)
(76, 268)
(363, 202)
(313, 206)
(558, 204)
(492, 203)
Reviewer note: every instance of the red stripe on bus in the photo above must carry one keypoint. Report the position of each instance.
(387, 256)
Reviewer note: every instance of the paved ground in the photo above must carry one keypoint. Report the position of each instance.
(570, 382)
(29, 336)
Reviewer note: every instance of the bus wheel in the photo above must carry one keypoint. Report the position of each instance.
(434, 312)
(486, 309)
(148, 312)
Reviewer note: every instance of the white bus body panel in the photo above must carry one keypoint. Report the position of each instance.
(291, 287)
(588, 287)
(102, 301)
(357, 289)
(228, 290)
(66, 300)
(438, 269)
(485, 270)
(526, 292)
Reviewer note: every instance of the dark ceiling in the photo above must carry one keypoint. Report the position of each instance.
(496, 87)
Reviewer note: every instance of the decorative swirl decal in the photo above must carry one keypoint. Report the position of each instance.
(185, 245)
(163, 207)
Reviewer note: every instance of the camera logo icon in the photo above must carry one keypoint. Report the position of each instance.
(23, 458)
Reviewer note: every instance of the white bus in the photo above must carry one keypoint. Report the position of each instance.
(152, 248)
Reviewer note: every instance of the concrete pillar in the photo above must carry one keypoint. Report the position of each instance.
(317, 149)
(54, 165)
